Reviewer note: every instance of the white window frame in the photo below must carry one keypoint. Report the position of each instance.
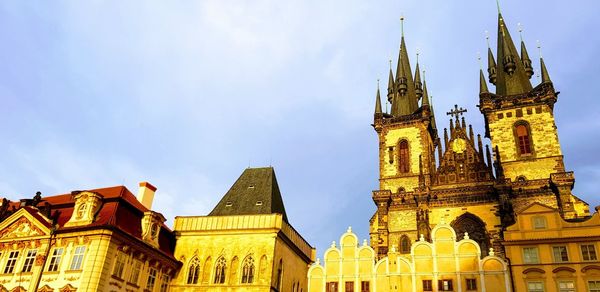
(29, 261)
(572, 282)
(537, 255)
(77, 259)
(543, 287)
(11, 262)
(559, 259)
(588, 252)
(55, 259)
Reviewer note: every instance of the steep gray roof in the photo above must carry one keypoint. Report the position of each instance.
(254, 192)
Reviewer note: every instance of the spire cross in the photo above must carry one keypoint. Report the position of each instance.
(456, 112)
(479, 60)
(487, 38)
(539, 46)
(418, 54)
(390, 64)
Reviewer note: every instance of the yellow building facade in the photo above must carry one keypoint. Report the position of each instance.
(244, 244)
(96, 240)
(548, 253)
(444, 264)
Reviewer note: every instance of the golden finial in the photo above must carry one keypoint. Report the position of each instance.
(520, 30)
(402, 23)
(539, 46)
(498, 5)
(418, 52)
(487, 38)
(479, 60)
(390, 64)
(377, 83)
(423, 74)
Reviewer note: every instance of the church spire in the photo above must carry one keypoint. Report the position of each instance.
(407, 102)
(378, 100)
(545, 75)
(525, 56)
(418, 84)
(491, 66)
(390, 94)
(483, 88)
(511, 75)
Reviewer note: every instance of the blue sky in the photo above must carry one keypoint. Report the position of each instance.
(186, 94)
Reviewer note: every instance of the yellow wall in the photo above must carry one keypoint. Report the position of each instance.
(557, 232)
(443, 258)
(267, 238)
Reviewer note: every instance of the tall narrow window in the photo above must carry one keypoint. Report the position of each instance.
(135, 272)
(349, 286)
(523, 139)
(427, 285)
(77, 260)
(279, 275)
(560, 254)
(530, 255)
(151, 279)
(404, 244)
(119, 265)
(248, 270)
(364, 286)
(445, 285)
(403, 157)
(220, 271)
(331, 287)
(164, 283)
(194, 271)
(588, 252)
(12, 260)
(55, 260)
(29, 259)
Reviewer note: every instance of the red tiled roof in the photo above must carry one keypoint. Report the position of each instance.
(120, 209)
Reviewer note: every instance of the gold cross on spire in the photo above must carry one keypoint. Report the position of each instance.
(456, 112)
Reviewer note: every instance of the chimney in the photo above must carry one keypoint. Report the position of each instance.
(146, 194)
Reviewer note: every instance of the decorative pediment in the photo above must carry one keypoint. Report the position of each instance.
(463, 159)
(536, 207)
(46, 288)
(67, 288)
(23, 224)
(151, 225)
(86, 206)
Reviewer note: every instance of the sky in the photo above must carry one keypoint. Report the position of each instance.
(187, 94)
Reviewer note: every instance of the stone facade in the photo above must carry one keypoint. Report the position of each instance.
(84, 241)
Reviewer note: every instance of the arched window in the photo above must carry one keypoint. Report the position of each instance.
(523, 139)
(220, 270)
(193, 271)
(248, 270)
(475, 228)
(279, 275)
(404, 244)
(403, 157)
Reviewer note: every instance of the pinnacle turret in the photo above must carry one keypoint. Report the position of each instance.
(418, 84)
(390, 94)
(526, 61)
(378, 101)
(483, 88)
(491, 67)
(545, 75)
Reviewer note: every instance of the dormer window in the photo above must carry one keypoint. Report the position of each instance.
(86, 206)
(259, 203)
(151, 224)
(228, 204)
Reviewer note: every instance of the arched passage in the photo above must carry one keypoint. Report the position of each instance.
(476, 229)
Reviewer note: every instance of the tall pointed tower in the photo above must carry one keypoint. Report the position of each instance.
(407, 142)
(520, 122)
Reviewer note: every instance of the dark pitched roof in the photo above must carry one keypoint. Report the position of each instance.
(255, 192)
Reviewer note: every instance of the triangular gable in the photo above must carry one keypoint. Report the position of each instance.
(24, 223)
(536, 207)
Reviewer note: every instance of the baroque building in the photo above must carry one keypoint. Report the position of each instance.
(444, 264)
(426, 179)
(245, 243)
(549, 253)
(94, 240)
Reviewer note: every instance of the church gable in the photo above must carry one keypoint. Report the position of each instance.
(24, 223)
(536, 207)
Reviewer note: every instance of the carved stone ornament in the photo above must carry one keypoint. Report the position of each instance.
(151, 225)
(86, 206)
(21, 228)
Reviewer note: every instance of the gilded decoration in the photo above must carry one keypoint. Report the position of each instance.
(86, 206)
(21, 228)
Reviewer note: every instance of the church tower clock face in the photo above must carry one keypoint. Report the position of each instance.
(459, 145)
